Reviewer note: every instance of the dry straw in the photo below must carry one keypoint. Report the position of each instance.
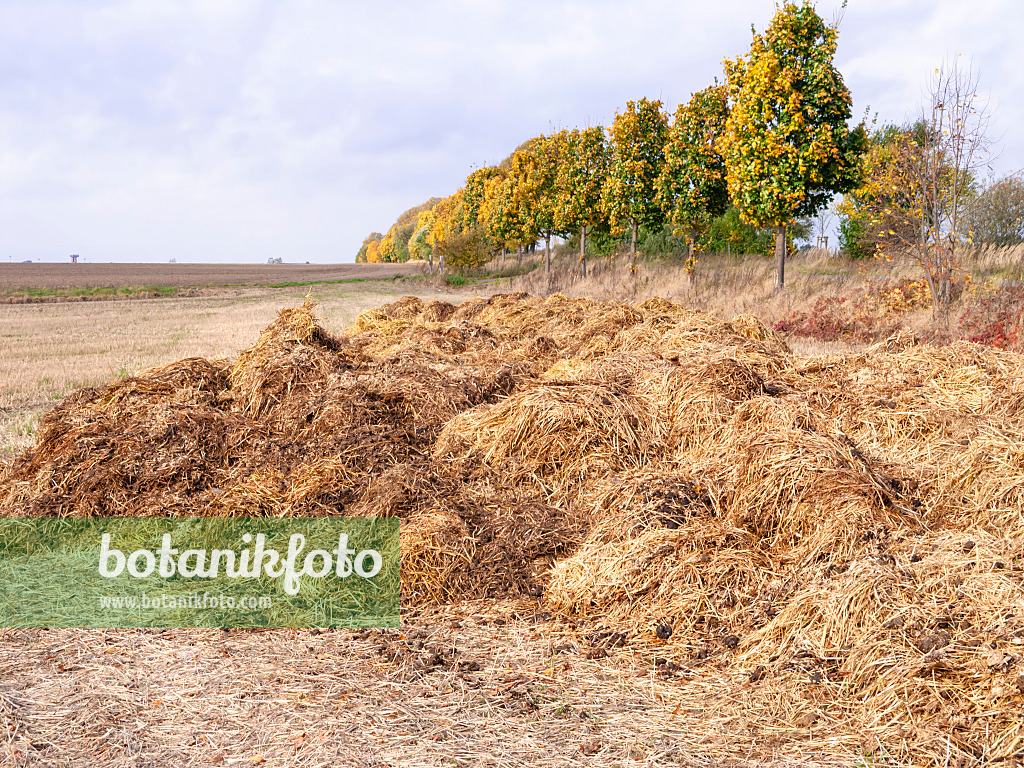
(835, 539)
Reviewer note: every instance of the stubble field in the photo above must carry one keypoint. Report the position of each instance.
(33, 279)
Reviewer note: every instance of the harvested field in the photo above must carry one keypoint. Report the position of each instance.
(819, 558)
(42, 281)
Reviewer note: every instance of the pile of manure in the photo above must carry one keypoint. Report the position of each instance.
(837, 539)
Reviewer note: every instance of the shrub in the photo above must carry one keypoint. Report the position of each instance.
(868, 316)
(995, 319)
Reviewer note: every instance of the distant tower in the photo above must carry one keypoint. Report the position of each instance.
(74, 258)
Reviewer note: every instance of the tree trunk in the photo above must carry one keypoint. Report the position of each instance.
(440, 263)
(583, 250)
(780, 256)
(519, 255)
(691, 247)
(945, 290)
(504, 252)
(632, 249)
(430, 261)
(547, 250)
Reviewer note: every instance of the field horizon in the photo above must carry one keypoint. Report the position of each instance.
(39, 281)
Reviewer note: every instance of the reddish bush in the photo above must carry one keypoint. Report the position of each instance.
(996, 319)
(869, 315)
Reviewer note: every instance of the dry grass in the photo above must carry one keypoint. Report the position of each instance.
(823, 551)
(720, 285)
(727, 286)
(992, 261)
(486, 684)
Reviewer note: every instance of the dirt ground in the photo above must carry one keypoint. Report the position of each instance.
(67, 276)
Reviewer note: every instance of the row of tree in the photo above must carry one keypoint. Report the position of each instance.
(769, 148)
(773, 140)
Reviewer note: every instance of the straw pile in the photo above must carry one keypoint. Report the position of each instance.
(840, 536)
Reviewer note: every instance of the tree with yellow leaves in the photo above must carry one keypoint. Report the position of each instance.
(418, 246)
(475, 191)
(579, 182)
(920, 182)
(369, 246)
(528, 191)
(629, 197)
(692, 189)
(498, 213)
(787, 146)
(457, 246)
(387, 251)
(550, 153)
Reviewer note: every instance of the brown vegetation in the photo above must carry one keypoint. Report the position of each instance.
(836, 537)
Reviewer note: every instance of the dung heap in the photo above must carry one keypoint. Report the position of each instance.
(839, 535)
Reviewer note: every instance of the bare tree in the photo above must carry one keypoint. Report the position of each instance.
(932, 175)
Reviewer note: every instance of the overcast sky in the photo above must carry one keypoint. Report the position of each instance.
(220, 131)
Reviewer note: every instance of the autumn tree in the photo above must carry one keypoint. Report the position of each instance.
(497, 213)
(918, 192)
(393, 246)
(550, 152)
(527, 194)
(475, 191)
(369, 247)
(456, 245)
(787, 145)
(691, 188)
(418, 246)
(579, 182)
(387, 249)
(877, 214)
(637, 153)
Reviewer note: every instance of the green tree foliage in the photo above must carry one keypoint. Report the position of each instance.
(787, 146)
(996, 217)
(852, 236)
(637, 155)
(579, 182)
(729, 233)
(691, 188)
